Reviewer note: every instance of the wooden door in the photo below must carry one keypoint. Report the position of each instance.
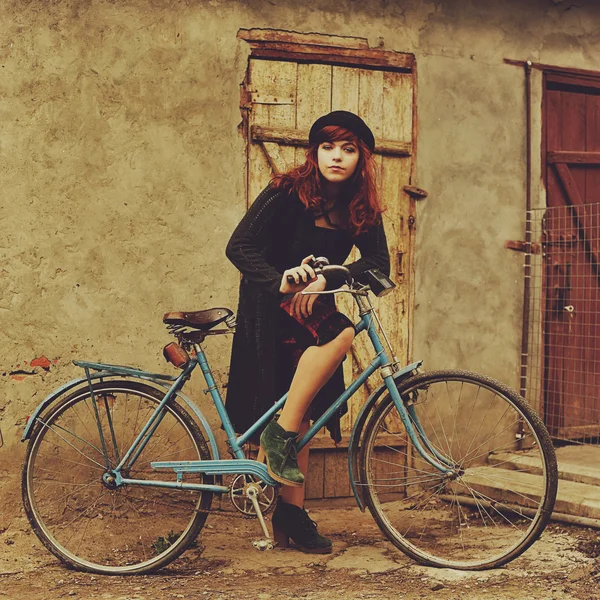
(283, 98)
(571, 240)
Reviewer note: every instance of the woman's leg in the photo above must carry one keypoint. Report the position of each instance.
(316, 366)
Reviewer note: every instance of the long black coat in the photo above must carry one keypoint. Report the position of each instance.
(268, 241)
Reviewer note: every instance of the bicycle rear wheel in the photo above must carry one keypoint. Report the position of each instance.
(96, 527)
(502, 492)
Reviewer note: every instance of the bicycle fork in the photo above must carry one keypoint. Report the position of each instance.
(407, 412)
(417, 435)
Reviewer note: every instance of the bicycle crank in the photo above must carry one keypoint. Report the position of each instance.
(252, 492)
(238, 494)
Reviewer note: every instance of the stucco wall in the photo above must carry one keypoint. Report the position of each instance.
(122, 171)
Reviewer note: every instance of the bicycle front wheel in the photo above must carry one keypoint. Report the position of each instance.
(500, 493)
(78, 514)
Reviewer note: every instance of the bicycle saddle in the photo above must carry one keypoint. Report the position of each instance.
(200, 319)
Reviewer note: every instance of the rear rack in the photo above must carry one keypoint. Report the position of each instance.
(109, 370)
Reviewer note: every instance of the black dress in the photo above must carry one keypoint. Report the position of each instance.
(276, 233)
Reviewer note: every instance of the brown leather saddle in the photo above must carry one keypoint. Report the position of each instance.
(200, 319)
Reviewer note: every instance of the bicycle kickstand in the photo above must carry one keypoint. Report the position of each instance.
(266, 543)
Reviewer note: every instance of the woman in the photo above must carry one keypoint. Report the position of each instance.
(288, 340)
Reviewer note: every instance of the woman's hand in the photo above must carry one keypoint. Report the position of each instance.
(302, 305)
(302, 276)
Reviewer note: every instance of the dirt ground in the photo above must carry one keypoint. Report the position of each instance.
(563, 564)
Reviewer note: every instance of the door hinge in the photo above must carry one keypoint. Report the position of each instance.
(520, 246)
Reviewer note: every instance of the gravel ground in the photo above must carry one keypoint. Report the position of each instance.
(563, 564)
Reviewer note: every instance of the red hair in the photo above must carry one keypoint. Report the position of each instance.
(360, 189)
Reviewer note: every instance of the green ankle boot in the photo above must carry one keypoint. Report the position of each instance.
(278, 447)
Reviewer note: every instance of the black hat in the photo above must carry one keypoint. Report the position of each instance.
(347, 120)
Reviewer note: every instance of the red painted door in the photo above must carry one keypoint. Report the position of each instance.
(571, 243)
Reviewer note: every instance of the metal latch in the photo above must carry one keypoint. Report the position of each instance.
(520, 246)
(399, 270)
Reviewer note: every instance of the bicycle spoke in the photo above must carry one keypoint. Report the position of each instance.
(72, 446)
(67, 495)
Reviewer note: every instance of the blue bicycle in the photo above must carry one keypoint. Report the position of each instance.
(121, 465)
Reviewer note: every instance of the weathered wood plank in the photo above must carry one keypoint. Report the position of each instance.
(283, 83)
(576, 77)
(316, 474)
(298, 137)
(397, 107)
(574, 158)
(313, 98)
(370, 100)
(344, 89)
(574, 198)
(277, 162)
(293, 37)
(372, 59)
(336, 479)
(398, 124)
(259, 167)
(313, 94)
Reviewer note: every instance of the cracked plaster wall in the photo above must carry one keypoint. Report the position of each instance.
(122, 171)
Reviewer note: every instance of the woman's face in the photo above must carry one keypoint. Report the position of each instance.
(337, 160)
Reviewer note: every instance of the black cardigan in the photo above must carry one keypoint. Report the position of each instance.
(261, 249)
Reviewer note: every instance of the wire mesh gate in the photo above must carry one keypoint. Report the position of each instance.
(563, 345)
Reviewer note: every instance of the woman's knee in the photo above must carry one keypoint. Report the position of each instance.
(345, 338)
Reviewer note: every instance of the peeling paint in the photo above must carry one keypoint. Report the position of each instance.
(42, 361)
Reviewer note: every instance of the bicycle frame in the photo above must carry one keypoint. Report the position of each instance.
(240, 464)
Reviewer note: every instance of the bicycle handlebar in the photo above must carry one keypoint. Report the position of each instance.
(321, 266)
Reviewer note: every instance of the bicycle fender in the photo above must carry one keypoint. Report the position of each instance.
(49, 400)
(57, 393)
(359, 424)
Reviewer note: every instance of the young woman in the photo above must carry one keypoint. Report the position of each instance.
(288, 340)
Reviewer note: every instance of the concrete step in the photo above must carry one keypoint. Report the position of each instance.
(576, 463)
(514, 487)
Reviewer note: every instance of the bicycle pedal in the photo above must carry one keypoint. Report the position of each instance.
(264, 544)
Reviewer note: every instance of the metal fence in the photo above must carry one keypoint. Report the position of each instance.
(562, 351)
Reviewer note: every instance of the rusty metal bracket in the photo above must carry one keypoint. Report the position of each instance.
(521, 246)
(258, 98)
(415, 193)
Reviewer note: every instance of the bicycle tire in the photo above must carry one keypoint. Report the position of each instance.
(466, 522)
(129, 529)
